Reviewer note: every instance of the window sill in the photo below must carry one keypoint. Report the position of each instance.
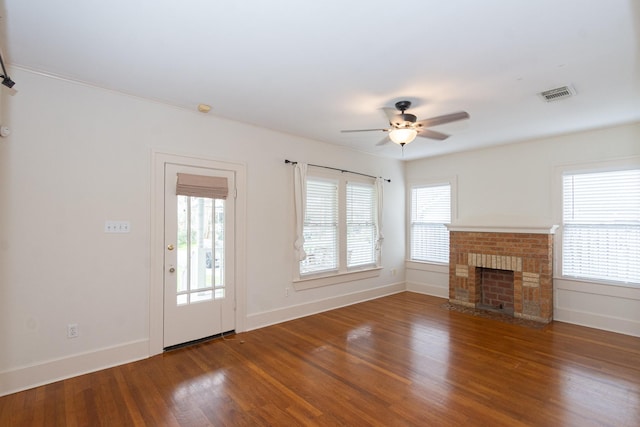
(334, 279)
(427, 266)
(627, 291)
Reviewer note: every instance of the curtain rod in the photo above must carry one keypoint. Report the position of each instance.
(339, 170)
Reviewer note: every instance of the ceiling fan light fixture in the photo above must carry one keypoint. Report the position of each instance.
(403, 136)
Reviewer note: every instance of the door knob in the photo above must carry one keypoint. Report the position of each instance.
(172, 270)
(170, 247)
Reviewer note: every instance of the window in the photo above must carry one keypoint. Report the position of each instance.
(430, 211)
(361, 225)
(601, 225)
(321, 227)
(200, 252)
(340, 226)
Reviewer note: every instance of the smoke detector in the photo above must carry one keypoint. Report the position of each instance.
(558, 93)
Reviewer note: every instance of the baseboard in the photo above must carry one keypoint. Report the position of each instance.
(427, 289)
(597, 321)
(55, 370)
(79, 364)
(272, 317)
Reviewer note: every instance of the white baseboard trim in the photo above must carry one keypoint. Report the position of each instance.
(78, 364)
(55, 370)
(427, 289)
(597, 321)
(59, 369)
(272, 317)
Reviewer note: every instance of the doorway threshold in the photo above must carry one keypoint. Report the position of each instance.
(222, 335)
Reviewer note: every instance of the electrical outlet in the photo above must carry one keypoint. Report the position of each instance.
(286, 292)
(72, 330)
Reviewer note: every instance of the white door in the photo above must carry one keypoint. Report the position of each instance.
(199, 288)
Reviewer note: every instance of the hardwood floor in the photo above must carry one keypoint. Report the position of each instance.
(395, 361)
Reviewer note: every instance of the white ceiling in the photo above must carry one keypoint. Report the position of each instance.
(311, 68)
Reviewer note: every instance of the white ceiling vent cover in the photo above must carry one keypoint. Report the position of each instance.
(558, 93)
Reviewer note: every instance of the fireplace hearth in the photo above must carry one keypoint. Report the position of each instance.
(509, 272)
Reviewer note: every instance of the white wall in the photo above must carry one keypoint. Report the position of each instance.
(80, 155)
(517, 185)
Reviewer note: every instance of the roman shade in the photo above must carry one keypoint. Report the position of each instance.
(214, 187)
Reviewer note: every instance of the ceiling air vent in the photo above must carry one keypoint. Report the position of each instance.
(558, 93)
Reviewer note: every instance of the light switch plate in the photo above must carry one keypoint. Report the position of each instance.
(117, 227)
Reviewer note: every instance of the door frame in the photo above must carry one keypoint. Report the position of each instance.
(156, 276)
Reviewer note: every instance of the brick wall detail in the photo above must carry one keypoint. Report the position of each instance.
(528, 255)
(496, 289)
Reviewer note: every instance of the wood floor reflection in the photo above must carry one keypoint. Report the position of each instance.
(396, 361)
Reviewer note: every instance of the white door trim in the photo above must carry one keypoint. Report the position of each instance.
(156, 276)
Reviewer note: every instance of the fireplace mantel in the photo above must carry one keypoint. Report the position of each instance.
(548, 229)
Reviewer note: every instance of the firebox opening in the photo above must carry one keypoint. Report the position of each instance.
(496, 290)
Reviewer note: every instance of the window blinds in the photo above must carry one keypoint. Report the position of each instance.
(320, 227)
(601, 226)
(361, 224)
(430, 211)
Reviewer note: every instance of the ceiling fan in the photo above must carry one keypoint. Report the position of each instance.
(405, 127)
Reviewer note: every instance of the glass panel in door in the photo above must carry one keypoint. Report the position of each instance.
(200, 256)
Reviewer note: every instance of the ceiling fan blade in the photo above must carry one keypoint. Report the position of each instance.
(432, 134)
(440, 120)
(383, 141)
(363, 130)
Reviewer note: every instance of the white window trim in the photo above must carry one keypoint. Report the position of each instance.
(434, 267)
(336, 278)
(556, 191)
(452, 181)
(342, 274)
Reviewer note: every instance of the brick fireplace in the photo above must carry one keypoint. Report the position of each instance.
(483, 261)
